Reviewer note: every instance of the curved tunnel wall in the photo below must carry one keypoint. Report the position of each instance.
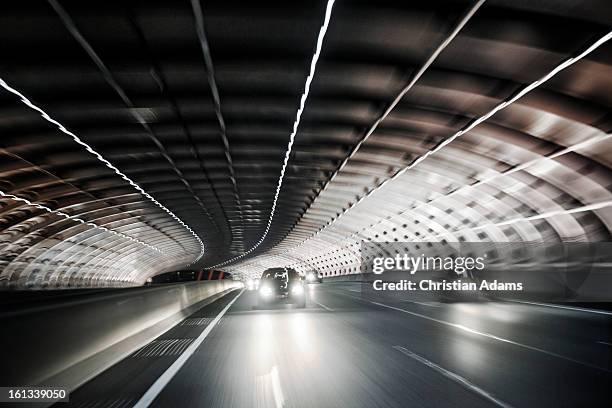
(538, 171)
(41, 249)
(153, 150)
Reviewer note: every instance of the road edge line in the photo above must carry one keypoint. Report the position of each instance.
(151, 394)
(484, 334)
(554, 306)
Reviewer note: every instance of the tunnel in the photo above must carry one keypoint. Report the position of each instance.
(332, 203)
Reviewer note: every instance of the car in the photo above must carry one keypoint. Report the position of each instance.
(313, 276)
(281, 285)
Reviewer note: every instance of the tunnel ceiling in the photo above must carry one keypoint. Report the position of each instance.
(144, 137)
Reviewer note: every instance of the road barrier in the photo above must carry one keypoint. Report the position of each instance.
(66, 339)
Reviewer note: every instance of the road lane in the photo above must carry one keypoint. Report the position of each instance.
(561, 331)
(171, 371)
(521, 377)
(314, 359)
(345, 350)
(345, 354)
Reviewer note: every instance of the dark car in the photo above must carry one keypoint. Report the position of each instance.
(281, 285)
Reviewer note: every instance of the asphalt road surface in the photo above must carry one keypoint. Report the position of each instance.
(350, 350)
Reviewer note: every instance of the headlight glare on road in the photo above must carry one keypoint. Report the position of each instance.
(297, 290)
(266, 291)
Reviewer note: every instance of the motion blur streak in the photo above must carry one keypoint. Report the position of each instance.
(512, 119)
(493, 337)
(199, 201)
(453, 377)
(408, 87)
(108, 164)
(349, 357)
(167, 376)
(567, 63)
(68, 216)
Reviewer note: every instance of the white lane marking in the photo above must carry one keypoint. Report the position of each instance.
(354, 290)
(575, 308)
(605, 343)
(329, 309)
(279, 399)
(123, 302)
(165, 378)
(454, 377)
(428, 304)
(487, 335)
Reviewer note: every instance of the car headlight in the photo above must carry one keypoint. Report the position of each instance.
(297, 290)
(266, 291)
(310, 277)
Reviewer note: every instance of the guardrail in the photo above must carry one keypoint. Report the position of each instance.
(64, 341)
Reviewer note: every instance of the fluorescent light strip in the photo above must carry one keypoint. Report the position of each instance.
(70, 217)
(61, 127)
(567, 63)
(112, 82)
(313, 64)
(407, 88)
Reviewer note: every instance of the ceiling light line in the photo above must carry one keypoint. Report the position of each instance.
(108, 164)
(122, 208)
(309, 78)
(90, 248)
(566, 150)
(413, 80)
(160, 80)
(111, 81)
(70, 217)
(471, 125)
